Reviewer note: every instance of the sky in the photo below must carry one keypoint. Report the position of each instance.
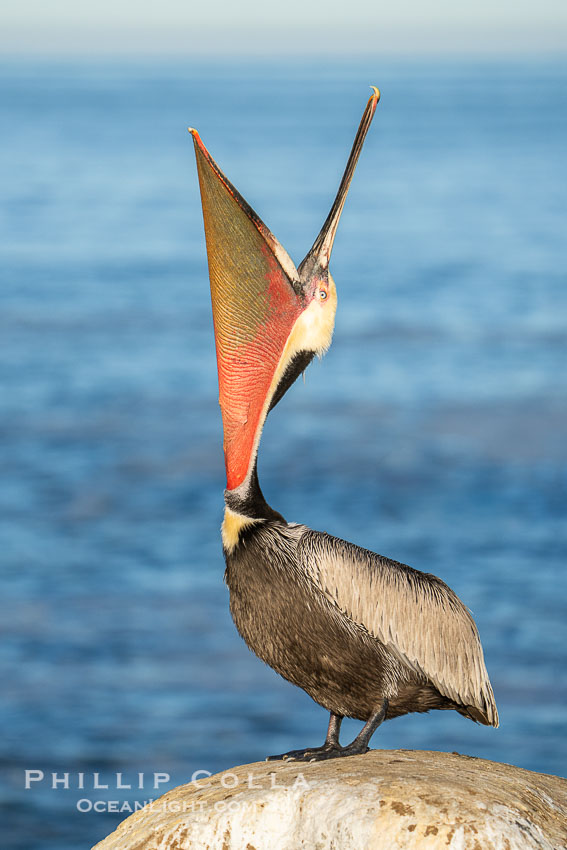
(289, 27)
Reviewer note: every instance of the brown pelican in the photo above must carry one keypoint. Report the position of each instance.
(366, 637)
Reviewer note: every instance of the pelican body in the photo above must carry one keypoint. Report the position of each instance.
(365, 636)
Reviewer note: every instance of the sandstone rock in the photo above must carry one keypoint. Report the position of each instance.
(384, 800)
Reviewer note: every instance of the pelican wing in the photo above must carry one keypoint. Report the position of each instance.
(415, 615)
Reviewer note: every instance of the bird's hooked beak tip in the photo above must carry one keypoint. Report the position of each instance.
(376, 93)
(197, 140)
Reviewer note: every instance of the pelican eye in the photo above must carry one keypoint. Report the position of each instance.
(322, 294)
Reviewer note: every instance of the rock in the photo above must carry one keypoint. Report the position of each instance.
(384, 800)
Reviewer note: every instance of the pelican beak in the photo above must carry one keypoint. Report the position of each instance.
(320, 254)
(257, 298)
(270, 319)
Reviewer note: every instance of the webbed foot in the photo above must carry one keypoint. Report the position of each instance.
(309, 754)
(321, 753)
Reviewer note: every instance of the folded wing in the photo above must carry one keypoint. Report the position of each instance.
(415, 615)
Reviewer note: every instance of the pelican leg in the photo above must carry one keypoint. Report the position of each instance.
(331, 748)
(332, 739)
(331, 745)
(360, 743)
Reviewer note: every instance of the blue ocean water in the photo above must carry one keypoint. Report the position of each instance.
(434, 431)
